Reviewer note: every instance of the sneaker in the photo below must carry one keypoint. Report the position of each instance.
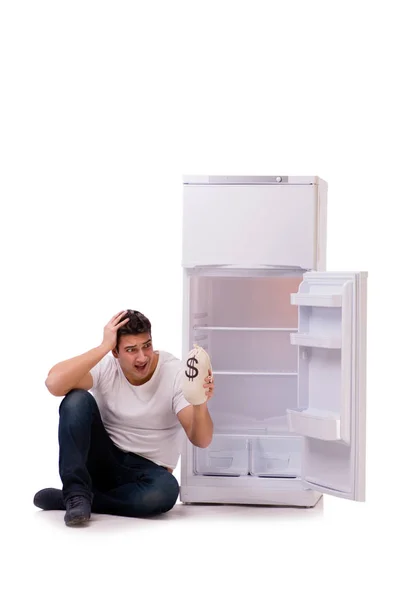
(49, 499)
(78, 510)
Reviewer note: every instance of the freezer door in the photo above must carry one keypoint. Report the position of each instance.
(254, 224)
(332, 382)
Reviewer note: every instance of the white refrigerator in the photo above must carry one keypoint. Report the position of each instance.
(287, 342)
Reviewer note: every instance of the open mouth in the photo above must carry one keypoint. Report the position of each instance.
(141, 369)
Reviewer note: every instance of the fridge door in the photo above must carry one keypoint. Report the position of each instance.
(331, 413)
(254, 221)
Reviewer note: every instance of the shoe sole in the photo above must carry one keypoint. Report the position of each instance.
(77, 521)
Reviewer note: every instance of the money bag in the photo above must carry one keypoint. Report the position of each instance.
(194, 374)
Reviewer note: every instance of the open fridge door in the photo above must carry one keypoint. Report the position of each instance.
(331, 413)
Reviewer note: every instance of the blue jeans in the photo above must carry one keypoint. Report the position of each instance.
(116, 482)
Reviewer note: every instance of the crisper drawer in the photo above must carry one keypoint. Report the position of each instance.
(226, 455)
(275, 456)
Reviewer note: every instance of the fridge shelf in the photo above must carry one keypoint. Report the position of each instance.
(305, 339)
(325, 300)
(311, 422)
(204, 328)
(284, 373)
(253, 433)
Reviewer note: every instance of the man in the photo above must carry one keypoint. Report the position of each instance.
(120, 443)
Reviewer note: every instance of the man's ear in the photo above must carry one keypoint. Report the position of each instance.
(115, 353)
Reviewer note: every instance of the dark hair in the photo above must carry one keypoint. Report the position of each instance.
(137, 324)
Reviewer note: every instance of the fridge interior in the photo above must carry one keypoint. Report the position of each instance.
(244, 321)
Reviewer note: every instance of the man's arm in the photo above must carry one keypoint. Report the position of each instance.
(197, 423)
(196, 420)
(75, 372)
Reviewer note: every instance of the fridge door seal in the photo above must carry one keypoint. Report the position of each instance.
(244, 270)
(331, 413)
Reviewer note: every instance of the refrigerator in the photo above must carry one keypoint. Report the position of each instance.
(287, 342)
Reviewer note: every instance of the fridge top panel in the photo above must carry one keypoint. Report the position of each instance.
(251, 179)
(243, 225)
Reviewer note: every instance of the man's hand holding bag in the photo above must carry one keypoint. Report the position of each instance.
(197, 380)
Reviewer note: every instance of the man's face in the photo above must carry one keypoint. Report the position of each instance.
(135, 354)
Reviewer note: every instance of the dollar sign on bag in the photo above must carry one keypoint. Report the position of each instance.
(193, 372)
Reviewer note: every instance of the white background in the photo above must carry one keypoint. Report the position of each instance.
(104, 106)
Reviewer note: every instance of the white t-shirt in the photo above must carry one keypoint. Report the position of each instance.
(142, 418)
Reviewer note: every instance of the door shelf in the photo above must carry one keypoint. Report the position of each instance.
(320, 424)
(305, 339)
(325, 300)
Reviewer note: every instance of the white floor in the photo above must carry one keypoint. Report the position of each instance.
(189, 514)
(338, 549)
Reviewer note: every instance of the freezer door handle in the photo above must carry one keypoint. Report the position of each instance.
(245, 266)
